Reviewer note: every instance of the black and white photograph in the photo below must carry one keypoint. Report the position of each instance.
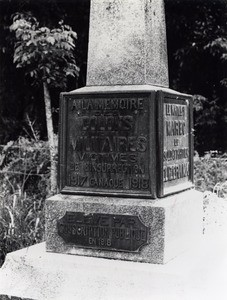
(113, 149)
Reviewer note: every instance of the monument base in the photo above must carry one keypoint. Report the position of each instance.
(173, 223)
(33, 273)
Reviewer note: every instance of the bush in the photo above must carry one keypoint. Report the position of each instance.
(22, 222)
(25, 164)
(210, 173)
(24, 173)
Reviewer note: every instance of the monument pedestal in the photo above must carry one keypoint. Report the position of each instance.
(152, 231)
(200, 273)
(129, 141)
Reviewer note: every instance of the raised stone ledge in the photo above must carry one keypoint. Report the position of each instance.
(32, 273)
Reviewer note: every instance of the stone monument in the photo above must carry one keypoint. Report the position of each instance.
(125, 175)
(126, 146)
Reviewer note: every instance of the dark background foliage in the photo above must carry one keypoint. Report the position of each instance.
(197, 68)
(195, 65)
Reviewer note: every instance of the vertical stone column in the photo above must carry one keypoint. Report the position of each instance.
(127, 43)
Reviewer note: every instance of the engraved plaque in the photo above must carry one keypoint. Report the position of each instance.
(107, 143)
(136, 144)
(103, 231)
(175, 143)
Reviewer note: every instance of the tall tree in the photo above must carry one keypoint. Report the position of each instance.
(47, 57)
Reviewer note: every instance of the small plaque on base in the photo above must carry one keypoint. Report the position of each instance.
(103, 231)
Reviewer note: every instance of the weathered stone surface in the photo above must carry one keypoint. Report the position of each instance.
(197, 274)
(200, 273)
(215, 212)
(127, 43)
(174, 224)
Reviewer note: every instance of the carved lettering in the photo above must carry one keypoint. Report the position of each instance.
(112, 232)
(77, 180)
(114, 183)
(176, 171)
(176, 110)
(108, 157)
(176, 142)
(175, 128)
(108, 143)
(115, 168)
(106, 123)
(175, 154)
(103, 104)
(138, 183)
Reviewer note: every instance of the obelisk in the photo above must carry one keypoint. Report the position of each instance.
(126, 146)
(127, 43)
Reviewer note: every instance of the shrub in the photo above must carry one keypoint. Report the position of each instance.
(21, 223)
(25, 164)
(24, 175)
(210, 173)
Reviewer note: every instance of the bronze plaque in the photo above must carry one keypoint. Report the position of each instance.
(176, 144)
(106, 144)
(103, 231)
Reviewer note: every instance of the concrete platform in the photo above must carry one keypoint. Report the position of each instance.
(197, 274)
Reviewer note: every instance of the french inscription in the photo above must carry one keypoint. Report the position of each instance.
(103, 231)
(176, 141)
(108, 143)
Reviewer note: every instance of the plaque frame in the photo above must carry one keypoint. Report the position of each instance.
(63, 142)
(120, 246)
(174, 98)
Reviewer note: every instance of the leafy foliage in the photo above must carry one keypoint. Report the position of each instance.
(25, 164)
(47, 54)
(206, 116)
(218, 47)
(196, 65)
(18, 96)
(210, 172)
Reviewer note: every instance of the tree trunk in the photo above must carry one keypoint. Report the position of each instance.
(52, 146)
